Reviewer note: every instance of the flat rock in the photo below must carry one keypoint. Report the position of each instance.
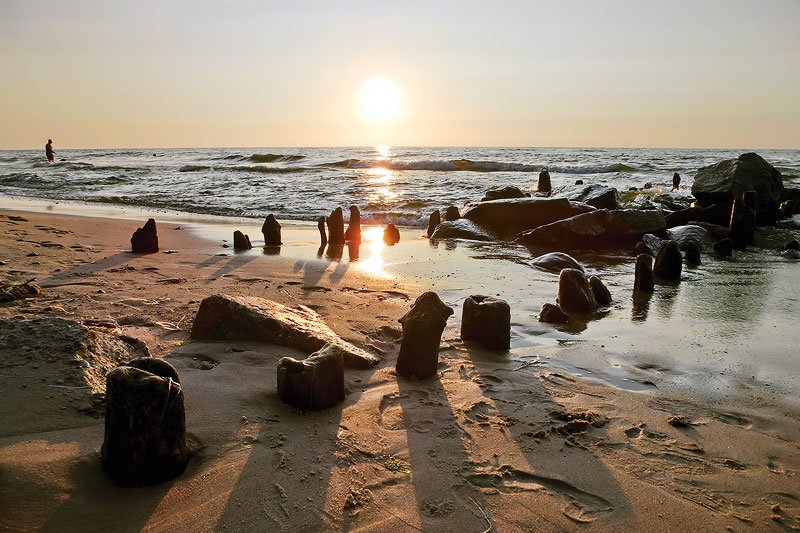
(248, 318)
(461, 229)
(599, 196)
(691, 233)
(556, 262)
(504, 193)
(506, 218)
(599, 229)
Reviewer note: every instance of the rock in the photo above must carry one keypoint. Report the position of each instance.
(652, 244)
(422, 333)
(503, 193)
(598, 196)
(434, 220)
(353, 232)
(391, 235)
(241, 241)
(556, 262)
(742, 224)
(544, 185)
(487, 320)
(672, 202)
(578, 182)
(145, 239)
(788, 208)
(506, 218)
(647, 185)
(790, 193)
(669, 262)
(323, 238)
(691, 253)
(574, 292)
(601, 293)
(644, 280)
(242, 318)
(553, 314)
(716, 214)
(723, 181)
(750, 199)
(724, 247)
(600, 229)
(690, 234)
(461, 229)
(791, 245)
(336, 227)
(145, 424)
(272, 231)
(451, 213)
(791, 254)
(315, 383)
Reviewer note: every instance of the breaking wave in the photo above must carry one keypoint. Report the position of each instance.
(264, 158)
(468, 165)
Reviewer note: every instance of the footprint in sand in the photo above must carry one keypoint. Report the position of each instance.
(581, 506)
(734, 419)
(397, 408)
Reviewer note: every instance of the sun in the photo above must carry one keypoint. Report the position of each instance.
(380, 99)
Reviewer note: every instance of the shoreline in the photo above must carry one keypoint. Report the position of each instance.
(488, 439)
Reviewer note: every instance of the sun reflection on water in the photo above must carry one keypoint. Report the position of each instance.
(374, 262)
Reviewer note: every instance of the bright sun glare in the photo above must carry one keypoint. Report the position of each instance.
(380, 99)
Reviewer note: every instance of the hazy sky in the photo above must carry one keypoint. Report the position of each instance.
(88, 73)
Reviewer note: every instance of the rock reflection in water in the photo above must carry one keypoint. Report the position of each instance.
(641, 305)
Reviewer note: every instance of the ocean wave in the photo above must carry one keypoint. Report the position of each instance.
(244, 168)
(264, 158)
(398, 218)
(468, 165)
(7, 159)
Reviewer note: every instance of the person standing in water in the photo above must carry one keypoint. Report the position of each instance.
(48, 149)
(676, 181)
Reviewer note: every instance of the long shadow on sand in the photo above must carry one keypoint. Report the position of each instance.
(542, 453)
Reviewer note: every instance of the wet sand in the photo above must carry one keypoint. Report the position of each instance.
(570, 429)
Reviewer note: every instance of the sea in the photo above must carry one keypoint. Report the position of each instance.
(401, 185)
(727, 330)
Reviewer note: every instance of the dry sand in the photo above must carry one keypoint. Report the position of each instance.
(489, 444)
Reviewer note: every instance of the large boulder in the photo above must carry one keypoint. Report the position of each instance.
(314, 383)
(248, 318)
(145, 239)
(422, 333)
(599, 196)
(599, 229)
(723, 181)
(487, 320)
(506, 218)
(715, 214)
(461, 229)
(145, 424)
(556, 262)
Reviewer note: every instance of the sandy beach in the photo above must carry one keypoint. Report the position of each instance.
(491, 443)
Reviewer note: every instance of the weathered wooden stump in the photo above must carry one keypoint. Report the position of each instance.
(241, 241)
(644, 280)
(272, 231)
(336, 226)
(452, 213)
(145, 425)
(487, 320)
(391, 235)
(574, 292)
(145, 239)
(353, 233)
(669, 261)
(422, 332)
(434, 220)
(314, 383)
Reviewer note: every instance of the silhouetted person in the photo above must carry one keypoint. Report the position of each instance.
(676, 181)
(48, 149)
